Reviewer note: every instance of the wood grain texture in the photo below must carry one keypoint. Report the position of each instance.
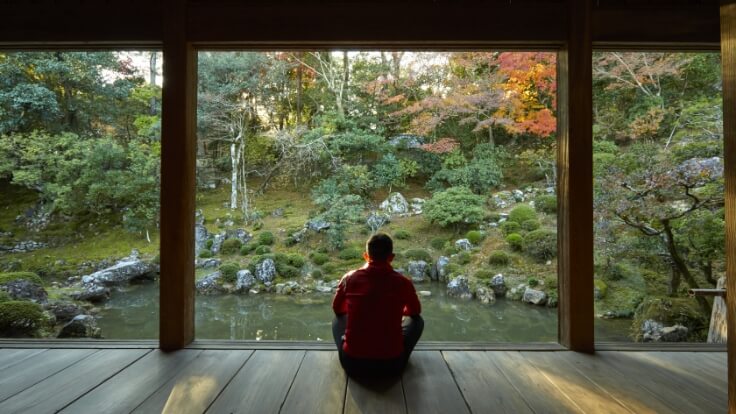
(321, 393)
(429, 386)
(10, 357)
(575, 183)
(196, 386)
(62, 388)
(126, 390)
(375, 396)
(728, 64)
(261, 385)
(178, 153)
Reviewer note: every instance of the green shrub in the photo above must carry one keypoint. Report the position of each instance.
(290, 241)
(229, 272)
(231, 246)
(4, 296)
(266, 238)
(672, 311)
(601, 287)
(546, 203)
(452, 269)
(205, 254)
(550, 282)
(532, 282)
(484, 274)
(418, 254)
(247, 248)
(317, 274)
(516, 241)
(11, 276)
(402, 234)
(541, 244)
(208, 244)
(522, 213)
(286, 271)
(262, 249)
(350, 253)
(319, 258)
(474, 237)
(295, 260)
(499, 258)
(438, 243)
(20, 318)
(530, 225)
(462, 258)
(620, 270)
(508, 227)
(493, 217)
(698, 149)
(329, 268)
(450, 250)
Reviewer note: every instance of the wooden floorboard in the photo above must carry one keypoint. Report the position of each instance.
(62, 388)
(261, 384)
(693, 365)
(375, 396)
(126, 390)
(196, 386)
(429, 386)
(323, 393)
(10, 357)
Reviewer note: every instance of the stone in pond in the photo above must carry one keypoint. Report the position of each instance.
(533, 296)
(439, 272)
(498, 284)
(266, 271)
(65, 311)
(418, 270)
(485, 295)
(210, 285)
(458, 287)
(92, 293)
(424, 293)
(245, 281)
(81, 326)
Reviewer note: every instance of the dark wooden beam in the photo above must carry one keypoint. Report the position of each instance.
(728, 62)
(178, 152)
(575, 185)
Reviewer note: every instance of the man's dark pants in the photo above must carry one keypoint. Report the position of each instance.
(412, 327)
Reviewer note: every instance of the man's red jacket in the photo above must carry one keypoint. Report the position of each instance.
(375, 297)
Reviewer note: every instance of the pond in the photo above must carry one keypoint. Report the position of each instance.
(133, 314)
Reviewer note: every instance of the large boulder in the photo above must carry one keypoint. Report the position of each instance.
(239, 234)
(463, 244)
(317, 225)
(503, 199)
(201, 235)
(24, 289)
(210, 285)
(458, 287)
(125, 271)
(498, 284)
(245, 281)
(485, 295)
(217, 241)
(653, 331)
(406, 141)
(516, 293)
(92, 293)
(376, 220)
(439, 271)
(266, 271)
(210, 263)
(326, 287)
(418, 270)
(65, 311)
(417, 205)
(81, 326)
(395, 204)
(533, 296)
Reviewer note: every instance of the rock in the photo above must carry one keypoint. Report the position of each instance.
(533, 296)
(549, 190)
(417, 205)
(239, 234)
(326, 287)
(279, 212)
(217, 242)
(200, 238)
(123, 272)
(266, 271)
(208, 263)
(317, 225)
(81, 326)
(698, 171)
(418, 270)
(458, 287)
(23, 247)
(199, 217)
(626, 314)
(498, 284)
(92, 293)
(406, 141)
(210, 285)
(245, 281)
(65, 311)
(395, 204)
(676, 333)
(424, 293)
(516, 293)
(439, 271)
(518, 195)
(503, 199)
(485, 295)
(654, 331)
(463, 244)
(23, 289)
(377, 220)
(299, 235)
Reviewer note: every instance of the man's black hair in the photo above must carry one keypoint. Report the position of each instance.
(380, 247)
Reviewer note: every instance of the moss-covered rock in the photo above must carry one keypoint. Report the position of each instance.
(418, 254)
(20, 319)
(12, 276)
(600, 289)
(671, 312)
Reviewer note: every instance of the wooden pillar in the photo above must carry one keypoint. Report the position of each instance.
(575, 185)
(178, 152)
(728, 64)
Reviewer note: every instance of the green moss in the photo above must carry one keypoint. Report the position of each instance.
(208, 244)
(402, 234)
(671, 311)
(229, 272)
(462, 258)
(453, 269)
(4, 297)
(11, 276)
(550, 282)
(418, 254)
(499, 258)
(484, 274)
(20, 318)
(602, 287)
(515, 241)
(231, 246)
(522, 213)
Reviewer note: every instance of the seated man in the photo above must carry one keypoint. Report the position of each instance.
(370, 304)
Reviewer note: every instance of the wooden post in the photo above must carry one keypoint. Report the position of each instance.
(178, 152)
(575, 186)
(728, 64)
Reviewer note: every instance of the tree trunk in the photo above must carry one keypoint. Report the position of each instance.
(299, 71)
(153, 68)
(682, 267)
(718, 332)
(490, 135)
(233, 176)
(675, 280)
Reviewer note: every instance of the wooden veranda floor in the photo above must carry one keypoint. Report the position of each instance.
(309, 381)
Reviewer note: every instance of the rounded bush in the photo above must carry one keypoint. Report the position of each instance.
(266, 238)
(550, 282)
(229, 272)
(350, 253)
(462, 258)
(287, 271)
(508, 227)
(247, 248)
(208, 244)
(418, 254)
(205, 254)
(402, 234)
(450, 250)
(546, 203)
(438, 243)
(541, 244)
(484, 274)
(452, 269)
(522, 213)
(20, 318)
(329, 268)
(474, 237)
(319, 258)
(295, 260)
(494, 217)
(515, 241)
(532, 282)
(317, 274)
(11, 276)
(530, 225)
(231, 246)
(262, 249)
(499, 258)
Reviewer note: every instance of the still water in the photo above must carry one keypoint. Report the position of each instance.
(133, 314)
